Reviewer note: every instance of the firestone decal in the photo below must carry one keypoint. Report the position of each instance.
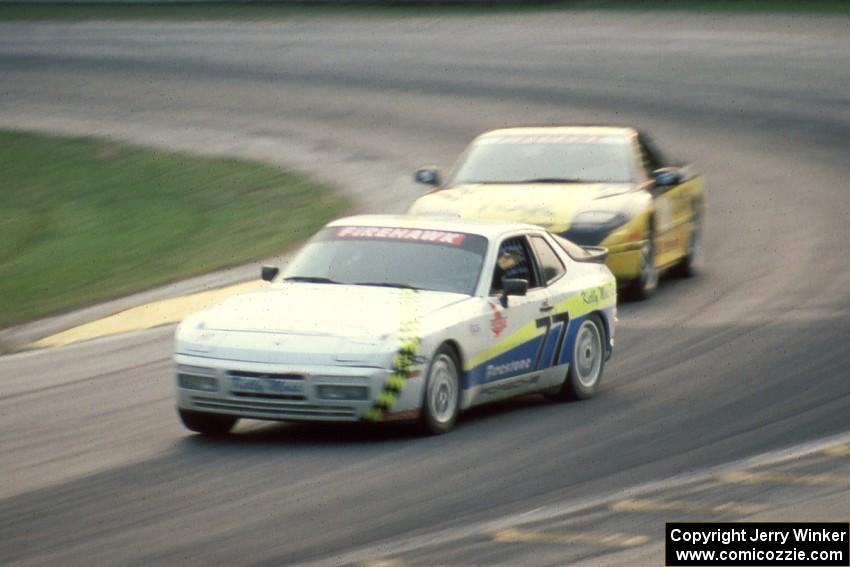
(496, 370)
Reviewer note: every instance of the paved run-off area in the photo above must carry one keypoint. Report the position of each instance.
(752, 356)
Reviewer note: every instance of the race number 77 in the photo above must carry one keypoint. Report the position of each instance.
(549, 322)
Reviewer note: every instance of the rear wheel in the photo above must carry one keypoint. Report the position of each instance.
(646, 283)
(207, 423)
(691, 263)
(587, 362)
(442, 392)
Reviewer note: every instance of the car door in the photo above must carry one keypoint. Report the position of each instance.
(555, 353)
(672, 209)
(511, 364)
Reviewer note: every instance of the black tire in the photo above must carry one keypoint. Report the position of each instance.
(691, 263)
(587, 361)
(441, 398)
(644, 286)
(207, 423)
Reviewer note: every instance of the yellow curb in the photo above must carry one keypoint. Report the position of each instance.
(570, 538)
(647, 505)
(746, 477)
(154, 314)
(838, 451)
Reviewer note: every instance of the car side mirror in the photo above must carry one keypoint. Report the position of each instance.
(269, 273)
(666, 177)
(513, 286)
(428, 176)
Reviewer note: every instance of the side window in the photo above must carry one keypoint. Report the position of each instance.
(647, 164)
(652, 158)
(514, 261)
(551, 267)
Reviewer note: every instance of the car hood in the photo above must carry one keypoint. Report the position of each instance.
(313, 324)
(550, 205)
(324, 309)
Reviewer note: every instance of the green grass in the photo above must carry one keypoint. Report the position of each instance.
(265, 11)
(85, 220)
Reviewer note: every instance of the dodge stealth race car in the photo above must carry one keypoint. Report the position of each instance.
(396, 317)
(605, 186)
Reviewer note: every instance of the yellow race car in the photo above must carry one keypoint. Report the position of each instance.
(594, 185)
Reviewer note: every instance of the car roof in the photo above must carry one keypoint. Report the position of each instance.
(595, 130)
(486, 228)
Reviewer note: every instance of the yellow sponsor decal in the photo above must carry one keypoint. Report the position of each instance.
(591, 299)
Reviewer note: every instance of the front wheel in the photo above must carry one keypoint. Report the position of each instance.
(587, 362)
(207, 423)
(442, 392)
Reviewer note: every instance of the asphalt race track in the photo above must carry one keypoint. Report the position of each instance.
(752, 356)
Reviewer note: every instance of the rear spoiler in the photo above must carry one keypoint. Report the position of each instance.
(596, 254)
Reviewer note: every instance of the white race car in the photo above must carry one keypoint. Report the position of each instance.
(401, 318)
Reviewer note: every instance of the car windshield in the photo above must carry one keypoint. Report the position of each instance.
(546, 159)
(391, 257)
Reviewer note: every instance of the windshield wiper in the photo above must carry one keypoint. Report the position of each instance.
(387, 284)
(309, 279)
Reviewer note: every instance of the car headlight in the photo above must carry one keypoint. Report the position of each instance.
(351, 350)
(589, 228)
(193, 335)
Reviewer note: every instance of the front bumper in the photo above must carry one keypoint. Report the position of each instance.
(283, 392)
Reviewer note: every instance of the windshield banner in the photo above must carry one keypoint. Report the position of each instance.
(390, 233)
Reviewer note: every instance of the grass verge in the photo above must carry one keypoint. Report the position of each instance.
(85, 220)
(268, 10)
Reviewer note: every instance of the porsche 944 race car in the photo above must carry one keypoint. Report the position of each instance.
(605, 186)
(398, 317)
